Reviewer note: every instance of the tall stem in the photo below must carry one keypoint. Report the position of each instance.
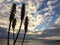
(13, 34)
(8, 33)
(18, 33)
(23, 38)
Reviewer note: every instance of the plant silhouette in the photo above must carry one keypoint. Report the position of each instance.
(13, 26)
(22, 17)
(22, 12)
(13, 10)
(12, 14)
(25, 28)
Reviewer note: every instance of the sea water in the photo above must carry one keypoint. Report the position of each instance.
(32, 42)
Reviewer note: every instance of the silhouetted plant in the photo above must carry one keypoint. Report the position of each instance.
(22, 17)
(22, 12)
(13, 10)
(13, 26)
(12, 15)
(25, 28)
(10, 19)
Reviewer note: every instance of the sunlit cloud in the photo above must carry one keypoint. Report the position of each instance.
(57, 20)
(17, 0)
(56, 25)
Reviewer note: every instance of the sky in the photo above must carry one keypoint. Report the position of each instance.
(43, 14)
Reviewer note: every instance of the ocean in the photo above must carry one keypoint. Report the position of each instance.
(32, 42)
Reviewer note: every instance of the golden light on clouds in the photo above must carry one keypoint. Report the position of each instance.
(16, 0)
(35, 32)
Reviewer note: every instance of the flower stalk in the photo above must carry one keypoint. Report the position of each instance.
(25, 28)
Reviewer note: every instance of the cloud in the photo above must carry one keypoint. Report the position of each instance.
(17, 0)
(52, 33)
(35, 18)
(31, 7)
(57, 21)
(56, 25)
(1, 1)
(48, 13)
(51, 2)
